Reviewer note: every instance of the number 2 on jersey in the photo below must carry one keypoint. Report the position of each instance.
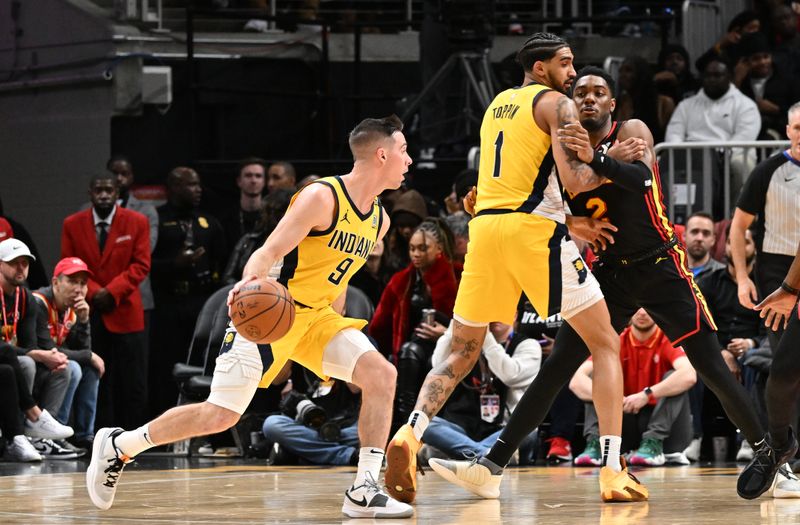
(498, 145)
(341, 269)
(599, 206)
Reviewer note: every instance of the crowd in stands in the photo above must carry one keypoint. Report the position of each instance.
(93, 343)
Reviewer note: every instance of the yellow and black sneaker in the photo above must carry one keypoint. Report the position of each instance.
(621, 486)
(401, 465)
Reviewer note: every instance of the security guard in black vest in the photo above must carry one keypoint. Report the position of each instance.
(186, 268)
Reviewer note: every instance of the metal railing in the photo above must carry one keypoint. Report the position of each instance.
(698, 184)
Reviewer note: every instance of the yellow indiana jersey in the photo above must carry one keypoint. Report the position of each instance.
(516, 160)
(318, 270)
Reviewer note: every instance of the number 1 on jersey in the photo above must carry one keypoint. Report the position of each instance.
(498, 145)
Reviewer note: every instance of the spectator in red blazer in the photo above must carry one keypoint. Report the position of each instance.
(400, 326)
(115, 244)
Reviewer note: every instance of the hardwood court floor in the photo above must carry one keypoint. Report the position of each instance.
(240, 493)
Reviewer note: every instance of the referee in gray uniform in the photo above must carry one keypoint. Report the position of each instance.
(772, 194)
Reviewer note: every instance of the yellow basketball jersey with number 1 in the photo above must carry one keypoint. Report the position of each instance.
(516, 160)
(318, 270)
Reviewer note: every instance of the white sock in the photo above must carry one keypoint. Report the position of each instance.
(609, 445)
(134, 442)
(369, 460)
(419, 423)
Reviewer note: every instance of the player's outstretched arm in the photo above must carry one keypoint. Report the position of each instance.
(559, 113)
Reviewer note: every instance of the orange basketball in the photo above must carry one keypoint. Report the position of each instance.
(262, 311)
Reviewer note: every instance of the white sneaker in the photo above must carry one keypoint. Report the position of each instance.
(20, 449)
(677, 458)
(105, 468)
(692, 452)
(47, 427)
(745, 453)
(256, 26)
(470, 475)
(369, 501)
(785, 485)
(49, 449)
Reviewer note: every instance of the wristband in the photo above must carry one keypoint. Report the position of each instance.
(603, 165)
(788, 289)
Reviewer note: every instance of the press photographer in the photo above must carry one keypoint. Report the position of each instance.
(318, 424)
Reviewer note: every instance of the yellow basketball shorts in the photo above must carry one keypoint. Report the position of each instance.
(305, 342)
(511, 253)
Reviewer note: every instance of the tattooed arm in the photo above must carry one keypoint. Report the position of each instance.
(555, 111)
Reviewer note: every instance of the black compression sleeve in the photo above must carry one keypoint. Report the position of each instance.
(633, 177)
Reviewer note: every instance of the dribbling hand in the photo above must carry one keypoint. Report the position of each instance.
(238, 286)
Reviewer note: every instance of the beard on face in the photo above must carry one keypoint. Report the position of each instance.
(697, 251)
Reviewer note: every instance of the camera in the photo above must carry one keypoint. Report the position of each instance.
(307, 413)
(303, 410)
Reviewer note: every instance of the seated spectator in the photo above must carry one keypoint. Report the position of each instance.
(371, 278)
(63, 321)
(699, 239)
(18, 448)
(243, 218)
(408, 212)
(474, 415)
(657, 420)
(741, 330)
(281, 176)
(459, 224)
(727, 47)
(786, 50)
(415, 309)
(274, 208)
(464, 181)
(318, 424)
(772, 88)
(639, 99)
(46, 369)
(308, 179)
(674, 78)
(719, 113)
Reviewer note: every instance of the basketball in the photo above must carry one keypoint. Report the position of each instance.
(262, 311)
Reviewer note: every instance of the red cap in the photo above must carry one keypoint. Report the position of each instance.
(69, 266)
